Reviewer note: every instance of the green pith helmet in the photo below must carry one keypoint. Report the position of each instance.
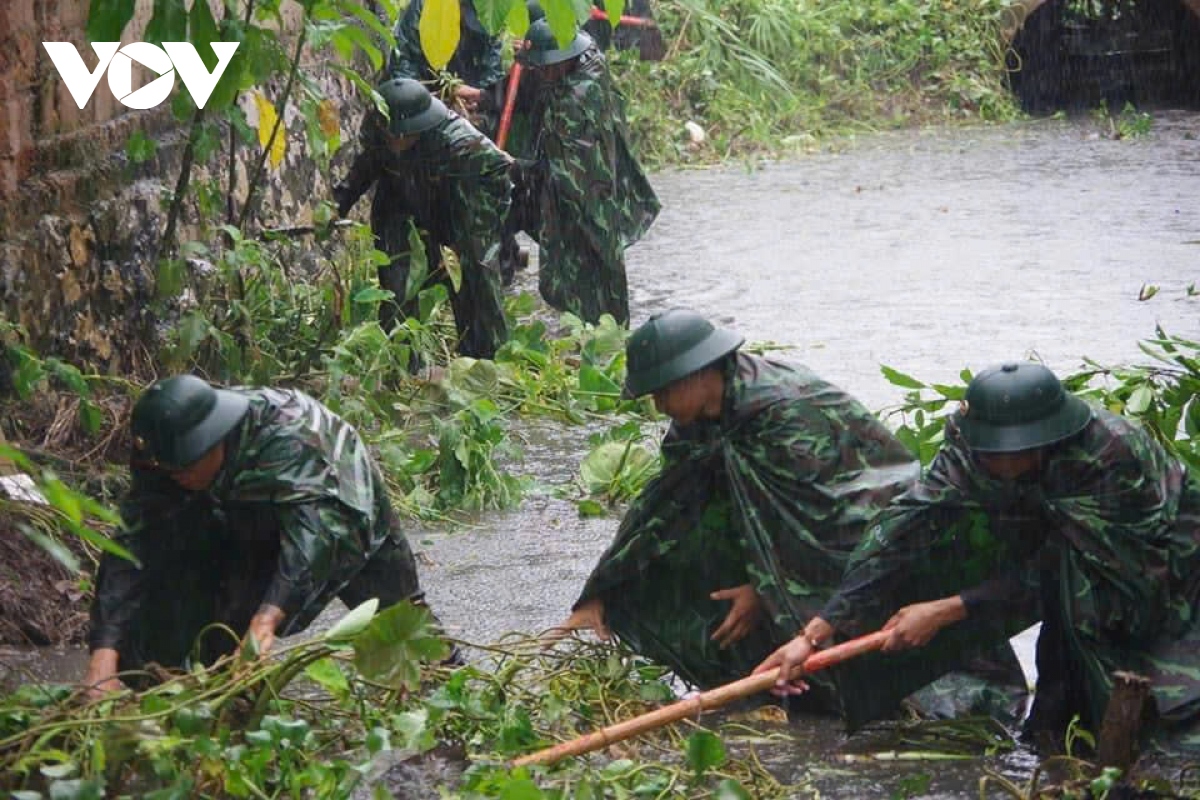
(535, 11)
(1017, 407)
(671, 346)
(179, 419)
(541, 48)
(412, 107)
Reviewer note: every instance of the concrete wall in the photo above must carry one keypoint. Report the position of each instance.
(78, 223)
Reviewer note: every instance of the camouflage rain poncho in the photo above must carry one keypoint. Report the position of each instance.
(297, 514)
(776, 494)
(1104, 546)
(454, 185)
(476, 61)
(594, 199)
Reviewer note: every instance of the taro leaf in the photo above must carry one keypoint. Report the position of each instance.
(493, 13)
(605, 340)
(168, 23)
(705, 750)
(897, 378)
(354, 623)
(204, 32)
(439, 31)
(561, 17)
(108, 18)
(594, 381)
(615, 9)
(372, 294)
(729, 789)
(601, 467)
(329, 676)
(391, 648)
(518, 19)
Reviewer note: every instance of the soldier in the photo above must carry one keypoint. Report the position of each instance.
(1037, 507)
(476, 61)
(251, 508)
(769, 478)
(432, 168)
(594, 199)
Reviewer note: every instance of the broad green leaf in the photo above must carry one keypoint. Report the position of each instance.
(493, 13)
(391, 648)
(561, 17)
(521, 789)
(705, 750)
(169, 279)
(203, 31)
(601, 467)
(413, 728)
(355, 621)
(517, 21)
(615, 9)
(1139, 400)
(372, 294)
(107, 19)
(168, 23)
(589, 509)
(897, 378)
(439, 29)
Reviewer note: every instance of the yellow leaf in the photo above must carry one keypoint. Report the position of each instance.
(453, 268)
(266, 124)
(439, 31)
(327, 115)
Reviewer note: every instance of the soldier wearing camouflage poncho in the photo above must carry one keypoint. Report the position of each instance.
(770, 476)
(251, 508)
(431, 168)
(476, 61)
(593, 198)
(1036, 507)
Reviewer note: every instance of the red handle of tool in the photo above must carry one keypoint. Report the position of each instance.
(510, 101)
(634, 22)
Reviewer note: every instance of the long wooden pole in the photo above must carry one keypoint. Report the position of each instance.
(697, 705)
(626, 19)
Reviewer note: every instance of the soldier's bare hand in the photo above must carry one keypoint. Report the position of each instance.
(743, 615)
(789, 659)
(587, 617)
(916, 625)
(469, 96)
(262, 627)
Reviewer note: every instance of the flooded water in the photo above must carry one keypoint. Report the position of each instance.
(928, 252)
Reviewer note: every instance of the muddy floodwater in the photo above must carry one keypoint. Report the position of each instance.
(925, 251)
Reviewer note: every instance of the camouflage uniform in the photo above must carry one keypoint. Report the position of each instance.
(593, 198)
(454, 185)
(297, 515)
(476, 61)
(1103, 546)
(776, 493)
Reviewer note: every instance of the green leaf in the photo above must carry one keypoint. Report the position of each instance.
(439, 29)
(1139, 400)
(391, 648)
(354, 623)
(453, 268)
(561, 17)
(418, 261)
(169, 280)
(601, 468)
(203, 31)
(517, 20)
(329, 676)
(615, 9)
(897, 378)
(590, 508)
(521, 789)
(168, 23)
(372, 294)
(493, 13)
(107, 19)
(140, 148)
(413, 727)
(705, 750)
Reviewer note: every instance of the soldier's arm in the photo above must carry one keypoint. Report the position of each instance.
(366, 167)
(311, 535)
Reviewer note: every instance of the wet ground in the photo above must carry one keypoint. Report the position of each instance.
(925, 251)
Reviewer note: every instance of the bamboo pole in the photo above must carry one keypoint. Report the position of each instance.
(697, 705)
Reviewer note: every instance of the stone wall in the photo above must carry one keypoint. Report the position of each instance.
(79, 224)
